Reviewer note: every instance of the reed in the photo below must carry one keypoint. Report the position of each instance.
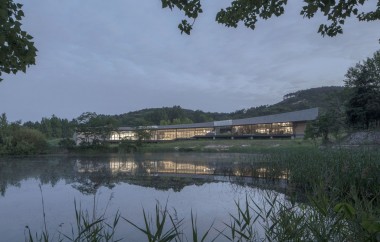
(340, 187)
(155, 231)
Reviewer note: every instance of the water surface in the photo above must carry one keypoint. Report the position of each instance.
(206, 184)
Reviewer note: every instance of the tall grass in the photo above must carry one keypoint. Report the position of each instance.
(89, 227)
(341, 202)
(155, 230)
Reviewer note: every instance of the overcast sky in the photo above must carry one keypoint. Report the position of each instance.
(112, 57)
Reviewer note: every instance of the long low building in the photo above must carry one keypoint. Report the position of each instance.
(289, 124)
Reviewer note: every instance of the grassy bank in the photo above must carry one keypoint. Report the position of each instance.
(206, 146)
(235, 146)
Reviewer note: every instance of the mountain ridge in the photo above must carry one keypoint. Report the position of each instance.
(322, 97)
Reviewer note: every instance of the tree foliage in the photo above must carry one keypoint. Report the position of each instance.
(95, 128)
(249, 12)
(54, 127)
(18, 140)
(363, 80)
(17, 51)
(325, 125)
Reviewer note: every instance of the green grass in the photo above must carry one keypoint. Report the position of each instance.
(232, 146)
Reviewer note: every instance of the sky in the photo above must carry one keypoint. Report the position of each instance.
(117, 56)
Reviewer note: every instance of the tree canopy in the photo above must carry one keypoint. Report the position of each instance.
(363, 108)
(17, 50)
(249, 12)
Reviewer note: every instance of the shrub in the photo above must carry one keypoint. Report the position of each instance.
(25, 141)
(67, 143)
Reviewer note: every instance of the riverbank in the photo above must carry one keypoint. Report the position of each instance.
(202, 146)
(212, 146)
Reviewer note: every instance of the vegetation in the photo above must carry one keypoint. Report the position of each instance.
(89, 123)
(328, 123)
(342, 109)
(248, 12)
(54, 127)
(18, 140)
(363, 106)
(228, 146)
(88, 228)
(356, 108)
(17, 50)
(333, 195)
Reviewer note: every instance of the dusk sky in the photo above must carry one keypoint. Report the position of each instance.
(112, 57)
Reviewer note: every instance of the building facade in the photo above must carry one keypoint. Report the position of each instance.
(290, 124)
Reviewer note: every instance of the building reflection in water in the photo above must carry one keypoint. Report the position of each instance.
(132, 166)
(116, 165)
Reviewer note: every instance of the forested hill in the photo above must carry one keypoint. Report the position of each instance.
(168, 115)
(322, 97)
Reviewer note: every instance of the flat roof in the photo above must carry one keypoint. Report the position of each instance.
(296, 116)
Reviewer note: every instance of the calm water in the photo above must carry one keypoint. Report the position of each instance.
(207, 184)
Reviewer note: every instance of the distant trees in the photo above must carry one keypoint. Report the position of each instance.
(18, 140)
(363, 82)
(95, 128)
(166, 116)
(54, 127)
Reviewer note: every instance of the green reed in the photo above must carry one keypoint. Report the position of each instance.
(340, 187)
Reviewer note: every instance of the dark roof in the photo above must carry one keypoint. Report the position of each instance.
(302, 115)
(126, 129)
(296, 116)
(186, 126)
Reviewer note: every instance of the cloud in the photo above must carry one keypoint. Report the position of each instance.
(117, 56)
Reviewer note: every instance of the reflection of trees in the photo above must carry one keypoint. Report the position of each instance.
(88, 183)
(160, 171)
(48, 170)
(165, 183)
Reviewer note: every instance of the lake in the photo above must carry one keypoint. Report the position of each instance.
(208, 185)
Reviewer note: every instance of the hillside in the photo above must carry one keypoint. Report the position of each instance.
(167, 115)
(321, 97)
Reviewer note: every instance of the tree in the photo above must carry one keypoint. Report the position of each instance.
(326, 124)
(142, 134)
(25, 141)
(93, 128)
(18, 140)
(249, 11)
(46, 127)
(363, 80)
(17, 50)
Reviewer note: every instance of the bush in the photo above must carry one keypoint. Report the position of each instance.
(128, 146)
(67, 143)
(25, 141)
